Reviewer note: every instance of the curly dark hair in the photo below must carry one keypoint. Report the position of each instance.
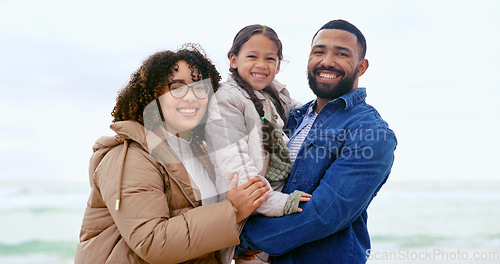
(146, 83)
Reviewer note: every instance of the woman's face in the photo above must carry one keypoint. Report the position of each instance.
(185, 113)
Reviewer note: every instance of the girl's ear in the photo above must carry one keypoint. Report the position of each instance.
(233, 59)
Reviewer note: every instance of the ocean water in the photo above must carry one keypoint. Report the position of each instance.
(40, 222)
(409, 222)
(436, 222)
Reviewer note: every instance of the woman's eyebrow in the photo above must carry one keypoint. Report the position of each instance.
(177, 81)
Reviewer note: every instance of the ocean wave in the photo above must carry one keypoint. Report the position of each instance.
(65, 249)
(42, 199)
(490, 241)
(39, 210)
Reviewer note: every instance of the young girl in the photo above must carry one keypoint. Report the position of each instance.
(246, 117)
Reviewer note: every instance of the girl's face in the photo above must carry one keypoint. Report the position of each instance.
(257, 61)
(185, 113)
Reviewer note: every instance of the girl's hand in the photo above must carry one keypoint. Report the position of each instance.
(304, 198)
(249, 255)
(248, 196)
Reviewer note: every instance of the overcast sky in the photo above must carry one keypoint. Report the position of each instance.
(433, 73)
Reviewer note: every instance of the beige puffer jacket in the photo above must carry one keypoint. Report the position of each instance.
(158, 218)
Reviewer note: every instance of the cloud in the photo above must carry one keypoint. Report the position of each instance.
(433, 72)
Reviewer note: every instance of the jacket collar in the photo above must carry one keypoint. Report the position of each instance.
(131, 130)
(346, 101)
(350, 99)
(296, 113)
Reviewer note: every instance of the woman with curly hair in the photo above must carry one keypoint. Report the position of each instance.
(153, 198)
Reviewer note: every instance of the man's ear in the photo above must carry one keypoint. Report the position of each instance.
(363, 65)
(233, 59)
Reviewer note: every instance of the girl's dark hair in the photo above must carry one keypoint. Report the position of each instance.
(147, 82)
(247, 32)
(269, 132)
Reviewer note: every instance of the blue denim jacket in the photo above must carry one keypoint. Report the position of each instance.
(343, 162)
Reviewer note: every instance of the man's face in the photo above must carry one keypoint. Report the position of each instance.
(334, 63)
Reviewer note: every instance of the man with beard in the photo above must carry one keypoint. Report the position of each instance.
(342, 151)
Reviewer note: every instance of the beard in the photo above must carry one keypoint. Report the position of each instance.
(329, 90)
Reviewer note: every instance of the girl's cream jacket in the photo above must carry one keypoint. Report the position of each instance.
(234, 138)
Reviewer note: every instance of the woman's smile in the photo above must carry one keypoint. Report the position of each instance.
(188, 111)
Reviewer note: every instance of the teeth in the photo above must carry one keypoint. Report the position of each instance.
(259, 75)
(329, 76)
(187, 110)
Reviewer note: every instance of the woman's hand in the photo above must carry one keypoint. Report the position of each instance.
(248, 196)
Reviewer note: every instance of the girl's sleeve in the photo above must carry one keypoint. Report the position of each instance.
(227, 140)
(295, 104)
(227, 137)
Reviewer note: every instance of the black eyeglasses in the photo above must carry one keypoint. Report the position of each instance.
(201, 89)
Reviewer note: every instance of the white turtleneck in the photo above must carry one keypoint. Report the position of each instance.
(194, 167)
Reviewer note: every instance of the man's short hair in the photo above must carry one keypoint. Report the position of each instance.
(346, 26)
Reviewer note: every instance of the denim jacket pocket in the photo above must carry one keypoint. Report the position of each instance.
(330, 143)
(317, 156)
